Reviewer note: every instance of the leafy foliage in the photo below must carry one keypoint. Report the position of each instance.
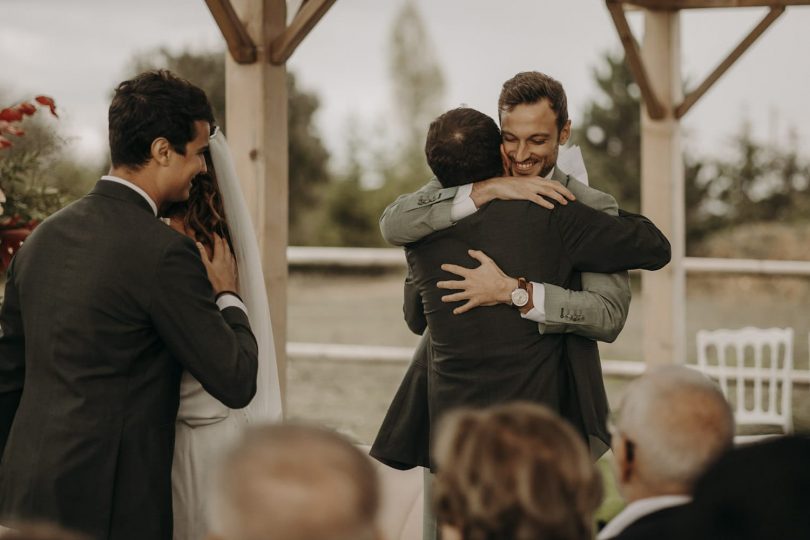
(390, 161)
(758, 182)
(36, 175)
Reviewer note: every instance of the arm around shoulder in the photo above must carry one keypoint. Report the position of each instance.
(216, 347)
(599, 311)
(413, 216)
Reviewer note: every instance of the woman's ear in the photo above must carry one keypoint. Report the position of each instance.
(161, 150)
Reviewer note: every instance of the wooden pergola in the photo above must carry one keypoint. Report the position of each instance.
(260, 41)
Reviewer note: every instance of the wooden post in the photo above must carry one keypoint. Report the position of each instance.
(662, 191)
(256, 107)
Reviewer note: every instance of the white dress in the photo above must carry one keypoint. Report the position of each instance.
(205, 427)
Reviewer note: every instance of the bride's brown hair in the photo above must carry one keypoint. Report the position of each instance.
(203, 212)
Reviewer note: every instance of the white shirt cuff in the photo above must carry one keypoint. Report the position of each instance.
(463, 204)
(538, 311)
(228, 300)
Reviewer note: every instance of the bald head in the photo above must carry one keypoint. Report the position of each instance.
(293, 482)
(673, 422)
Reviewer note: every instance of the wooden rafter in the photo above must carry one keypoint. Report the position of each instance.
(698, 92)
(310, 12)
(636, 63)
(670, 5)
(633, 55)
(240, 45)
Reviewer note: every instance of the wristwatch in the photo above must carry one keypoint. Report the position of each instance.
(520, 296)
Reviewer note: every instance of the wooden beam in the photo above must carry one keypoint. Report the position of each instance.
(305, 20)
(256, 107)
(662, 192)
(240, 44)
(634, 60)
(671, 5)
(718, 72)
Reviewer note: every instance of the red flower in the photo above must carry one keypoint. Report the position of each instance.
(4, 143)
(11, 115)
(26, 108)
(45, 100)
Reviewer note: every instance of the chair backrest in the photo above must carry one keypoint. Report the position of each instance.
(753, 367)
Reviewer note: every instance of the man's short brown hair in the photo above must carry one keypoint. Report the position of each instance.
(528, 87)
(463, 146)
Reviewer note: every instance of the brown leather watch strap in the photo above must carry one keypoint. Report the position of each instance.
(523, 284)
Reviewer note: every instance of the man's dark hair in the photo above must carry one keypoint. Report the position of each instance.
(529, 87)
(154, 104)
(463, 146)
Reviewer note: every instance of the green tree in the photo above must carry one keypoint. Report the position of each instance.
(418, 91)
(610, 138)
(761, 182)
(308, 158)
(610, 135)
(394, 152)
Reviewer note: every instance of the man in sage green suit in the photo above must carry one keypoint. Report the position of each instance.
(596, 312)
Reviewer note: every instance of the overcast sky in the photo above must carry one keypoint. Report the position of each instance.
(76, 51)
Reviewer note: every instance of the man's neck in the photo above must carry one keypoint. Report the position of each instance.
(143, 178)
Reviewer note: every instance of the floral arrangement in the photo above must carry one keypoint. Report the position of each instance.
(26, 202)
(10, 118)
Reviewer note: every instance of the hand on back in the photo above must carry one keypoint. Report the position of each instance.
(221, 266)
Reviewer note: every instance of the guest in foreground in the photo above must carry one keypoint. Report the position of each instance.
(294, 482)
(513, 472)
(672, 424)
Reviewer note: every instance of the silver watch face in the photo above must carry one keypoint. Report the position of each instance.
(520, 297)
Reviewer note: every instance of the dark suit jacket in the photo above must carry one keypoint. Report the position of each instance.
(489, 356)
(104, 307)
(660, 525)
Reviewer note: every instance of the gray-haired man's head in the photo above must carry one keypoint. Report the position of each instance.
(672, 423)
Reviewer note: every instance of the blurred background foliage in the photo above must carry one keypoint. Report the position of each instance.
(757, 186)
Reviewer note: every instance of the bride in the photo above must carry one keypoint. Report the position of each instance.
(205, 427)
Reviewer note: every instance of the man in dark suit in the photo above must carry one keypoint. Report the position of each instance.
(104, 307)
(486, 356)
(672, 424)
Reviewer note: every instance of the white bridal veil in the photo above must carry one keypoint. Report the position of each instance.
(266, 405)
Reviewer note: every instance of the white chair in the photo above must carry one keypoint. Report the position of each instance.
(753, 367)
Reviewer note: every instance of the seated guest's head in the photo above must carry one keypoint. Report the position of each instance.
(672, 423)
(463, 146)
(753, 492)
(294, 482)
(515, 471)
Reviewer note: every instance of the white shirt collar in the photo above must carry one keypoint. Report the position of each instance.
(132, 186)
(550, 173)
(637, 510)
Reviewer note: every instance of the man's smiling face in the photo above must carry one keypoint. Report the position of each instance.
(531, 139)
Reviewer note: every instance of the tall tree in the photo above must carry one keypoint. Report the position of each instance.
(610, 135)
(308, 158)
(418, 92)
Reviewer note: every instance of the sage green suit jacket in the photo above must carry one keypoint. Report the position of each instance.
(598, 311)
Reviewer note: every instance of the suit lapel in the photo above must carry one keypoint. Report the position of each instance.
(560, 176)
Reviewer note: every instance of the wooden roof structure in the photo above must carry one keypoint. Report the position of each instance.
(260, 41)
